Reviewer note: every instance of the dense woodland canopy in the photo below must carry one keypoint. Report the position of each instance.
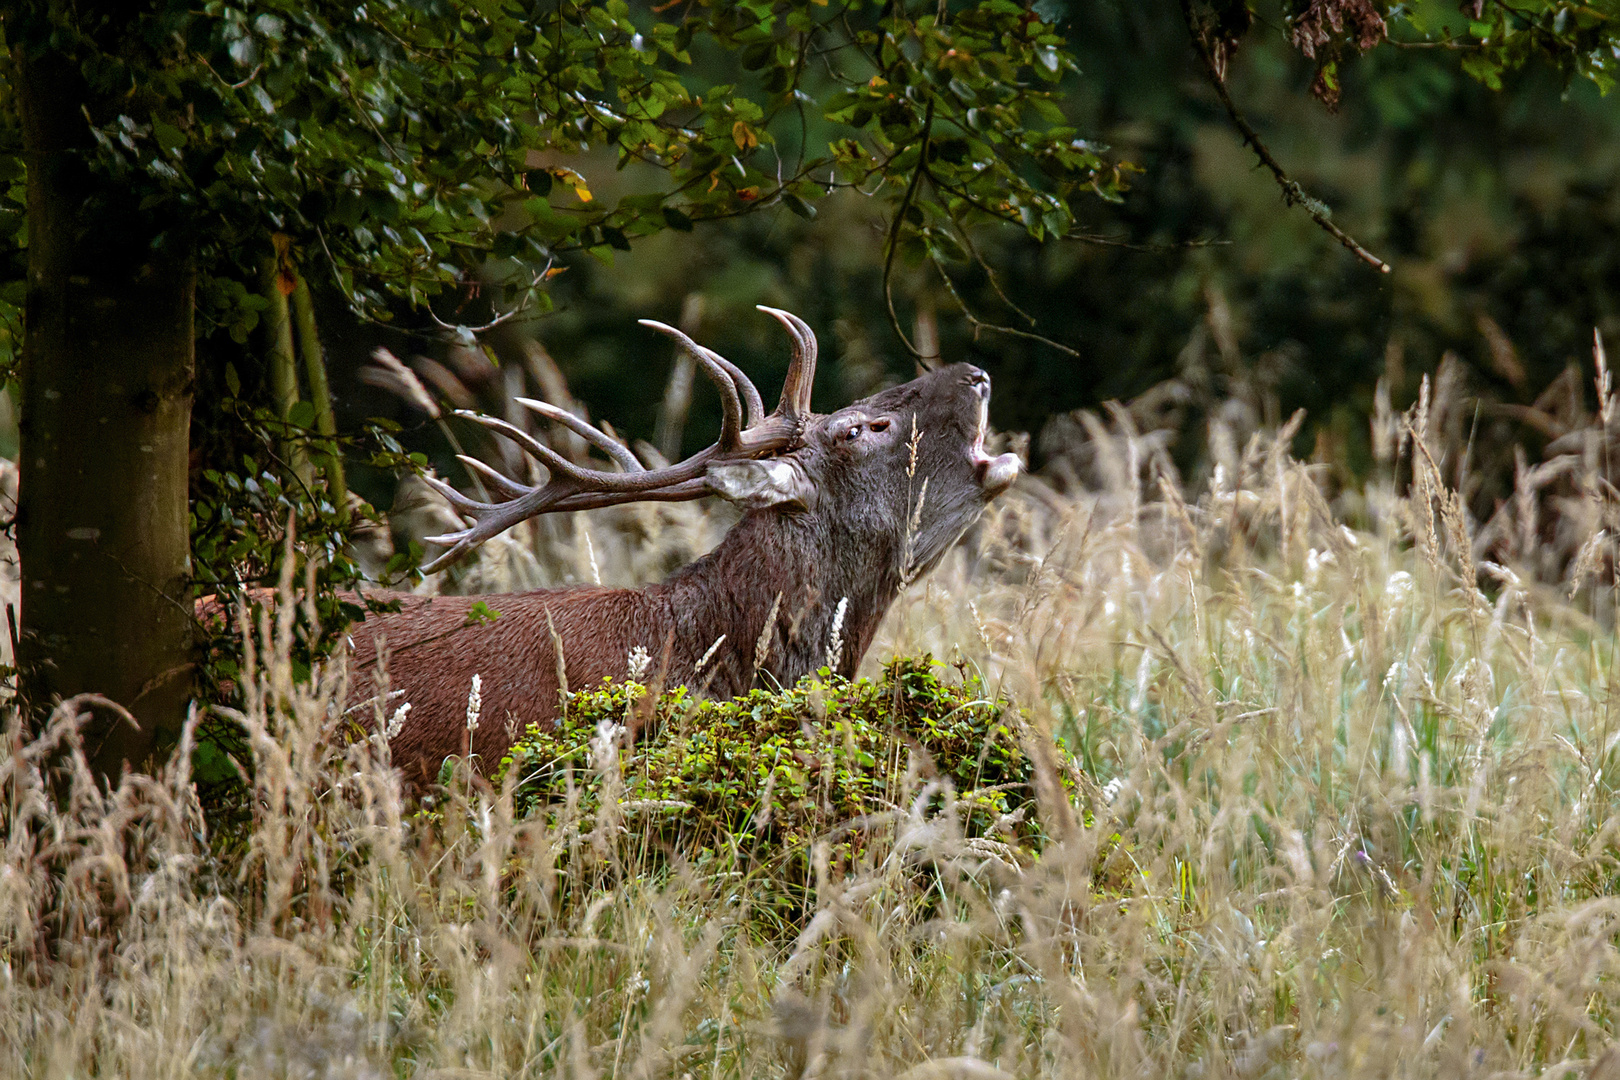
(1062, 190)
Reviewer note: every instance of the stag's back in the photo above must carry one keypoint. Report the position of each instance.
(435, 645)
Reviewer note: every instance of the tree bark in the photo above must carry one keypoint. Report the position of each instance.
(102, 520)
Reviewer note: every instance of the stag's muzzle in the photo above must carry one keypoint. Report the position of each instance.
(996, 474)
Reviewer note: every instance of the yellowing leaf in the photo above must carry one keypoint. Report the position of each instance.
(744, 136)
(286, 274)
(573, 180)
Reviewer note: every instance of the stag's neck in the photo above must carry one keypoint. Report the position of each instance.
(734, 588)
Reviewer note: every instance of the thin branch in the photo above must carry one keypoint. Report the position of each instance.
(1152, 249)
(254, 74)
(1293, 194)
(523, 305)
(1445, 43)
(462, 331)
(793, 87)
(359, 309)
(1078, 237)
(337, 278)
(348, 88)
(966, 236)
(899, 222)
(979, 324)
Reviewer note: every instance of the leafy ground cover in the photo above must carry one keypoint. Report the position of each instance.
(753, 786)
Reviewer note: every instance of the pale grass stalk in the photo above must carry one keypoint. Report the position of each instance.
(762, 645)
(835, 636)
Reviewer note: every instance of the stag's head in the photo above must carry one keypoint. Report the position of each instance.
(904, 469)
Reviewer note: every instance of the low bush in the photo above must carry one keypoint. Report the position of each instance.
(756, 782)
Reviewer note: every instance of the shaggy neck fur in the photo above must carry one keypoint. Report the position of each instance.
(733, 590)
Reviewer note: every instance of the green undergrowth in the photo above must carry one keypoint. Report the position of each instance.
(763, 778)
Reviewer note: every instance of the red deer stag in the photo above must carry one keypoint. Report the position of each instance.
(840, 511)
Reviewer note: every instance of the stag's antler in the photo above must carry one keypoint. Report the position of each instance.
(745, 432)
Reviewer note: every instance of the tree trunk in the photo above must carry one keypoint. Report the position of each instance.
(102, 519)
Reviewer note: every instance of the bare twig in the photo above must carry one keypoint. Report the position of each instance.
(1293, 193)
(1077, 237)
(979, 324)
(360, 108)
(254, 74)
(899, 222)
(523, 305)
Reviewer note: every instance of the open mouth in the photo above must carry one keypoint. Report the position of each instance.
(996, 474)
(979, 456)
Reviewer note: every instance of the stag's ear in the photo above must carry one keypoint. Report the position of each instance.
(752, 484)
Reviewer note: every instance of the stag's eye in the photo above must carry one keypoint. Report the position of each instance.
(853, 433)
(880, 425)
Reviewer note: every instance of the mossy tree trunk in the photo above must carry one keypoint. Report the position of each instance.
(320, 395)
(102, 523)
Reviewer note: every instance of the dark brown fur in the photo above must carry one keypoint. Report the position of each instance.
(827, 522)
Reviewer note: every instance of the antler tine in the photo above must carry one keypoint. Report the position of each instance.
(455, 498)
(554, 462)
(801, 376)
(591, 434)
(731, 426)
(498, 480)
(754, 404)
(492, 520)
(445, 558)
(747, 432)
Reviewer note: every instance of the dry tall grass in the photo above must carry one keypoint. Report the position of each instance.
(1338, 811)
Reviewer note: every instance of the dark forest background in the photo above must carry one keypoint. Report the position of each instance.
(1498, 211)
(243, 238)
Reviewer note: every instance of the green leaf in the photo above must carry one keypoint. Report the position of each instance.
(168, 136)
(481, 613)
(757, 56)
(1048, 62)
(1048, 110)
(799, 206)
(506, 245)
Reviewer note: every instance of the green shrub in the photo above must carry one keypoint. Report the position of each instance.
(758, 780)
